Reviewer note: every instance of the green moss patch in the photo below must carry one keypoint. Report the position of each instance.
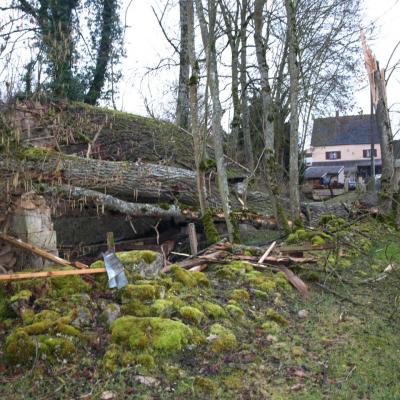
(158, 335)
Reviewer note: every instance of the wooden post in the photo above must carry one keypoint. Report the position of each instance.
(110, 241)
(192, 238)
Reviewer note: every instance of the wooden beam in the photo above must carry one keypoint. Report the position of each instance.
(40, 252)
(50, 274)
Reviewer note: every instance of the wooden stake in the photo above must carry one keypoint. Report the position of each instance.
(50, 274)
(267, 253)
(110, 241)
(192, 238)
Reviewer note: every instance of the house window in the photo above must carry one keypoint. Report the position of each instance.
(333, 155)
(367, 153)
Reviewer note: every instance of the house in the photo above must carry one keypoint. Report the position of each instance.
(324, 175)
(346, 141)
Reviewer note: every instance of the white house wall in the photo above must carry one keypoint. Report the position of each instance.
(348, 152)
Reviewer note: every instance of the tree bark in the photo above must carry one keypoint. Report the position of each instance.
(104, 51)
(244, 106)
(198, 138)
(182, 109)
(113, 203)
(127, 180)
(386, 139)
(268, 114)
(209, 39)
(294, 109)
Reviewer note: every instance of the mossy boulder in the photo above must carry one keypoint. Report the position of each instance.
(276, 317)
(109, 314)
(214, 310)
(163, 308)
(240, 295)
(139, 292)
(271, 327)
(19, 348)
(191, 314)
(235, 311)
(158, 335)
(221, 339)
(185, 277)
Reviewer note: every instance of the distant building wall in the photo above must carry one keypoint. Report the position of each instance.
(347, 152)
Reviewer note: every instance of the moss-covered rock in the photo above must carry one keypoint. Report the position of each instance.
(19, 348)
(271, 327)
(136, 308)
(204, 386)
(221, 339)
(214, 310)
(191, 314)
(158, 335)
(275, 316)
(163, 308)
(183, 276)
(235, 311)
(240, 295)
(139, 292)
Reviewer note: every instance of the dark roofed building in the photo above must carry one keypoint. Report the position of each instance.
(324, 174)
(346, 130)
(346, 141)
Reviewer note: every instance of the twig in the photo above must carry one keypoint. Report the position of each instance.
(338, 294)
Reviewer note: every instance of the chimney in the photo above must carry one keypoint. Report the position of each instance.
(337, 114)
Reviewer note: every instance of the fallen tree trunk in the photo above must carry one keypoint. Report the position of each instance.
(126, 180)
(131, 182)
(112, 203)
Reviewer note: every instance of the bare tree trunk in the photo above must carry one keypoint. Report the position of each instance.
(182, 109)
(198, 138)
(294, 106)
(268, 114)
(231, 20)
(244, 106)
(386, 139)
(208, 37)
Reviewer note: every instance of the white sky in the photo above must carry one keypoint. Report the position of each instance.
(145, 46)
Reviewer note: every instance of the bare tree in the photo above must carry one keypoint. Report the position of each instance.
(209, 42)
(290, 6)
(182, 109)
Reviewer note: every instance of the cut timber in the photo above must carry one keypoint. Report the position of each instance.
(296, 282)
(267, 253)
(40, 252)
(50, 274)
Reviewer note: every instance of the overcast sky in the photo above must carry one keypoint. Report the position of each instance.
(145, 46)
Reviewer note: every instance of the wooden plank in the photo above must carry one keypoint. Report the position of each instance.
(50, 274)
(40, 252)
(266, 254)
(296, 282)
